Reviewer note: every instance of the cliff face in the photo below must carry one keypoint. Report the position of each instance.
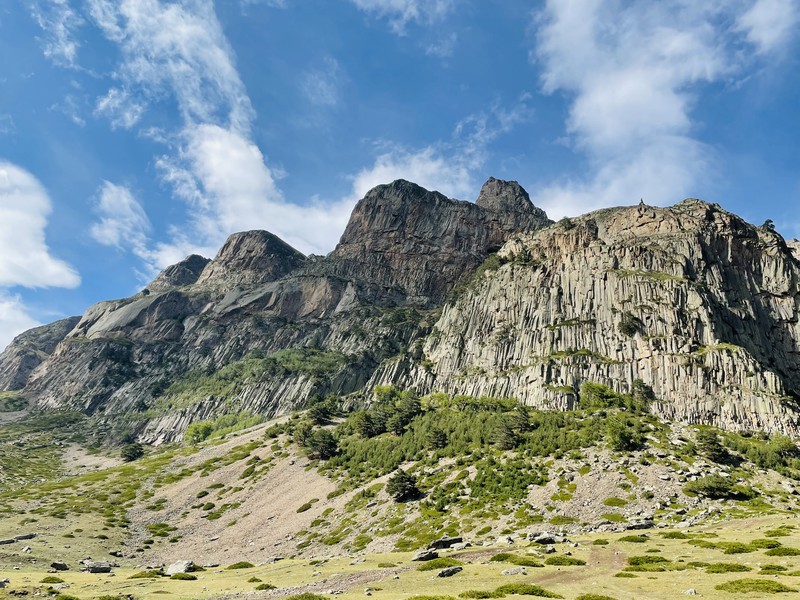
(699, 305)
(29, 350)
(294, 327)
(691, 300)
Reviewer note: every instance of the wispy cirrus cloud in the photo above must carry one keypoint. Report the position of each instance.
(630, 69)
(449, 166)
(59, 22)
(401, 12)
(25, 259)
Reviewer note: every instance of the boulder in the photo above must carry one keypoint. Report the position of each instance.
(97, 567)
(424, 555)
(516, 571)
(181, 566)
(59, 566)
(445, 542)
(449, 571)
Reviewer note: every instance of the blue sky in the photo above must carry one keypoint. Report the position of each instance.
(135, 132)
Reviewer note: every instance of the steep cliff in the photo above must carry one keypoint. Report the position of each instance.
(691, 300)
(28, 350)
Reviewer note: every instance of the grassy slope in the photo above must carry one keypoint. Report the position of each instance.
(120, 508)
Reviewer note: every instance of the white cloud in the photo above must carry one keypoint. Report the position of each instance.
(59, 22)
(7, 126)
(25, 259)
(402, 12)
(120, 108)
(122, 222)
(443, 47)
(322, 86)
(769, 24)
(630, 68)
(177, 49)
(14, 318)
(449, 167)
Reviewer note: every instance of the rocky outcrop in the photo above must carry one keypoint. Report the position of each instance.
(185, 272)
(28, 350)
(699, 305)
(420, 244)
(251, 258)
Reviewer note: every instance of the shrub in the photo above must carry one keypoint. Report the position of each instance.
(634, 539)
(762, 586)
(772, 569)
(322, 444)
(564, 561)
(52, 579)
(184, 576)
(727, 568)
(600, 542)
(765, 544)
(439, 563)
(594, 597)
(783, 551)
(131, 452)
(151, 574)
(674, 535)
(615, 502)
(646, 560)
(629, 325)
(240, 565)
(402, 486)
(265, 586)
(709, 445)
(525, 589)
(712, 486)
(198, 431)
(254, 580)
(514, 559)
(307, 596)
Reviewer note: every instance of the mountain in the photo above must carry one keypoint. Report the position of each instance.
(689, 306)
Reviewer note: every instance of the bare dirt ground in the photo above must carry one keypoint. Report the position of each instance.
(76, 460)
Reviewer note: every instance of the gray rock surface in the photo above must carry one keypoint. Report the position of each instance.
(28, 350)
(181, 566)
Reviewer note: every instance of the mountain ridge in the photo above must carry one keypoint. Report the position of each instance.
(691, 300)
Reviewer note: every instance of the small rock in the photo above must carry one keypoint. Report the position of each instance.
(449, 571)
(691, 592)
(27, 549)
(59, 566)
(445, 542)
(516, 571)
(98, 567)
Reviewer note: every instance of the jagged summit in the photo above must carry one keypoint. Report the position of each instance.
(185, 272)
(251, 257)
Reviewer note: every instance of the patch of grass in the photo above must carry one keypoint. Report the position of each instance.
(254, 580)
(51, 579)
(240, 565)
(625, 575)
(439, 563)
(727, 568)
(772, 569)
(646, 560)
(564, 561)
(515, 559)
(594, 597)
(761, 586)
(386, 565)
(634, 539)
(151, 574)
(674, 535)
(559, 520)
(267, 586)
(307, 596)
(783, 551)
(525, 589)
(615, 502)
(600, 542)
(765, 544)
(184, 577)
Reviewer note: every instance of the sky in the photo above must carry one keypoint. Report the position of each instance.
(136, 132)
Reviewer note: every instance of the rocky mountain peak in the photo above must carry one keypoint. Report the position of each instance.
(251, 257)
(421, 243)
(183, 273)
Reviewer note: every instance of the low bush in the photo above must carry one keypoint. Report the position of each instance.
(52, 579)
(762, 586)
(564, 561)
(727, 568)
(184, 576)
(439, 563)
(783, 551)
(525, 589)
(151, 574)
(240, 565)
(634, 539)
(265, 586)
